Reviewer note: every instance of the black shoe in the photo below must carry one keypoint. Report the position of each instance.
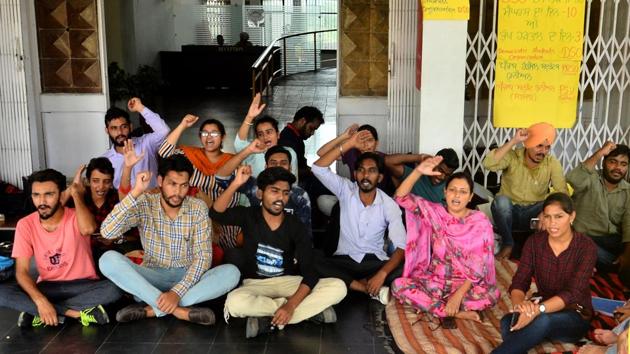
(201, 315)
(258, 325)
(25, 320)
(131, 313)
(96, 315)
(327, 316)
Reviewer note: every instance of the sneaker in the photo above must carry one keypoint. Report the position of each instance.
(130, 313)
(201, 315)
(93, 315)
(258, 325)
(26, 320)
(327, 316)
(383, 295)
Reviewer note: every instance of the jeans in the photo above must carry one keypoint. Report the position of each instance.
(565, 326)
(609, 248)
(147, 284)
(63, 295)
(346, 269)
(508, 216)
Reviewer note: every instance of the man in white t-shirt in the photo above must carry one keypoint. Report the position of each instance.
(58, 238)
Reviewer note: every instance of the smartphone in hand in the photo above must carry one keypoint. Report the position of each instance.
(514, 321)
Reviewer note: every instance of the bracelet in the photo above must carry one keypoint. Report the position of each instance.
(249, 123)
(340, 149)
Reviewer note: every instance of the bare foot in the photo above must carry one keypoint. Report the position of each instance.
(605, 336)
(469, 315)
(592, 349)
(505, 253)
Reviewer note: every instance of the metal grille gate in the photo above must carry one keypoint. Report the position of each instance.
(604, 89)
(15, 150)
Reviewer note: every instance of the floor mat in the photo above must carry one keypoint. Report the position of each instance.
(416, 333)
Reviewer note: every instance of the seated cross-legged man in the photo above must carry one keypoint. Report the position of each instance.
(280, 285)
(176, 237)
(602, 205)
(366, 213)
(58, 238)
(527, 173)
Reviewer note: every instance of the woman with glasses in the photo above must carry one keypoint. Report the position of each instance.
(206, 160)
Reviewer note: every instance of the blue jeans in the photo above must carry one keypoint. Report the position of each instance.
(565, 326)
(508, 216)
(63, 295)
(147, 284)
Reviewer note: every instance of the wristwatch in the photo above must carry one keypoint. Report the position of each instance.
(542, 308)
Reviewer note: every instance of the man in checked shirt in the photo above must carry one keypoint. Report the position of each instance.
(176, 237)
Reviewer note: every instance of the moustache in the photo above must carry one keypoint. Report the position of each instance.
(121, 136)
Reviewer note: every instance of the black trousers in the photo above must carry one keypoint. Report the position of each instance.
(347, 269)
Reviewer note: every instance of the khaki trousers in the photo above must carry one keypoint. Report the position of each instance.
(262, 297)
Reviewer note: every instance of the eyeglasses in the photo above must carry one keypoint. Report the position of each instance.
(205, 134)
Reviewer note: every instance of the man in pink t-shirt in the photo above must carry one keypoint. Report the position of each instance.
(58, 238)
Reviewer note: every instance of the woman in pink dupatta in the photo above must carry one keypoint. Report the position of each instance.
(449, 261)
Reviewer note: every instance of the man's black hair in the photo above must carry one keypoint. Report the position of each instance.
(114, 113)
(272, 175)
(369, 128)
(380, 164)
(101, 164)
(177, 163)
(48, 175)
(310, 113)
(275, 150)
(449, 158)
(619, 150)
(266, 119)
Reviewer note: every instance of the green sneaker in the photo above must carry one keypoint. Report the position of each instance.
(93, 315)
(26, 320)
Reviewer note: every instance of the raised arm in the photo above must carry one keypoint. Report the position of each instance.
(255, 108)
(159, 126)
(592, 161)
(349, 132)
(131, 159)
(125, 214)
(425, 168)
(500, 152)
(396, 162)
(333, 154)
(85, 219)
(223, 201)
(168, 146)
(255, 147)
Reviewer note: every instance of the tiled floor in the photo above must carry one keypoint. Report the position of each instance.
(361, 326)
(360, 329)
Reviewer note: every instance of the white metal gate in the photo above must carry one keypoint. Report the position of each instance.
(15, 150)
(604, 89)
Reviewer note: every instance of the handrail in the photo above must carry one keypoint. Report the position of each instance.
(264, 62)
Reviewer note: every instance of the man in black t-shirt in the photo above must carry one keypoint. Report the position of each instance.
(280, 285)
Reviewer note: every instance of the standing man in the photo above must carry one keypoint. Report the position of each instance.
(602, 204)
(118, 127)
(280, 284)
(366, 213)
(175, 232)
(58, 238)
(527, 173)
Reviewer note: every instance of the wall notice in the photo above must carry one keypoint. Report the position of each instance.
(445, 9)
(539, 53)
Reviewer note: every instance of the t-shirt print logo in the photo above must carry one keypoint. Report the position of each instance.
(55, 259)
(269, 260)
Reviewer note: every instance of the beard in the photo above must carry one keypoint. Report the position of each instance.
(168, 201)
(115, 140)
(609, 178)
(272, 211)
(45, 216)
(368, 188)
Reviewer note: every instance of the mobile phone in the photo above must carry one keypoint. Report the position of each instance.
(514, 321)
(533, 223)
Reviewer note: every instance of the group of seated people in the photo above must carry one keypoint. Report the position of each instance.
(212, 223)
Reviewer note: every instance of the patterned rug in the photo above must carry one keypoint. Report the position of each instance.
(416, 333)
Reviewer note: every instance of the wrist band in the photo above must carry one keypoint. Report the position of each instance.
(124, 190)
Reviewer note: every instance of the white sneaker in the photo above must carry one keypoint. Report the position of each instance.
(383, 295)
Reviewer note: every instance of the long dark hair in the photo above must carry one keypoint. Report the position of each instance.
(563, 200)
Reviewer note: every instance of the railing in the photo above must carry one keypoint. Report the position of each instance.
(263, 70)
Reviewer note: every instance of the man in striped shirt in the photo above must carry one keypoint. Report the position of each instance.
(176, 236)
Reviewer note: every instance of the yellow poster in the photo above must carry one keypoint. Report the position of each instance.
(445, 9)
(539, 53)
